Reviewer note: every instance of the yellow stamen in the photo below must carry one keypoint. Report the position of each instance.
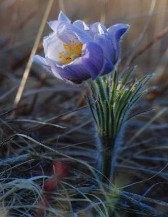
(71, 52)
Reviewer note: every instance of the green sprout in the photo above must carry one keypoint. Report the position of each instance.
(112, 98)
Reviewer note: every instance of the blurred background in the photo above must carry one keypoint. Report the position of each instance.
(145, 45)
(20, 21)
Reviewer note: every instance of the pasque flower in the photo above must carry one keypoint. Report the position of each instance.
(76, 51)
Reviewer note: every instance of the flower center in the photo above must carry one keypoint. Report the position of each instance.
(71, 52)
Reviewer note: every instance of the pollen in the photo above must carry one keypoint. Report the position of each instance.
(71, 51)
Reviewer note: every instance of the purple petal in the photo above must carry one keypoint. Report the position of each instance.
(106, 44)
(92, 59)
(52, 46)
(53, 68)
(107, 68)
(88, 66)
(118, 30)
(63, 18)
(47, 41)
(68, 73)
(41, 61)
(102, 37)
(54, 25)
(98, 28)
(67, 32)
(81, 25)
(115, 33)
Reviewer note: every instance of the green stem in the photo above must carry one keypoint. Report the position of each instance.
(107, 151)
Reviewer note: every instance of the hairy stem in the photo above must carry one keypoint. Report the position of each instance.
(108, 153)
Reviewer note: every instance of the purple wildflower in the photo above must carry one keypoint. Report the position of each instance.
(76, 51)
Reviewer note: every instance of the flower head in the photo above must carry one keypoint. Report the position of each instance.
(76, 51)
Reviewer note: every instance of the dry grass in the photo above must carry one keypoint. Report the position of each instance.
(49, 130)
